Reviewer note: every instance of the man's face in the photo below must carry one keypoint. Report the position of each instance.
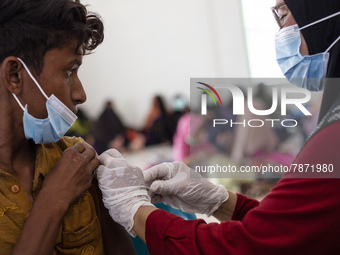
(59, 76)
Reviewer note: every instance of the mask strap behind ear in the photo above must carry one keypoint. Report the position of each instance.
(330, 47)
(323, 19)
(22, 107)
(320, 20)
(32, 77)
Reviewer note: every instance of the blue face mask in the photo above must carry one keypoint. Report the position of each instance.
(303, 71)
(53, 128)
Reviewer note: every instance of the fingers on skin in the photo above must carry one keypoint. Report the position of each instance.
(85, 155)
(85, 150)
(79, 147)
(91, 155)
(94, 163)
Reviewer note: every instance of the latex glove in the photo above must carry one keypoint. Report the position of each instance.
(123, 188)
(177, 185)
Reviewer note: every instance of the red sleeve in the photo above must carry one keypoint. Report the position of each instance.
(243, 205)
(299, 216)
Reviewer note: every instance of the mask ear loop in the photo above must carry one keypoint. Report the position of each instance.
(32, 77)
(22, 107)
(329, 48)
(35, 81)
(320, 20)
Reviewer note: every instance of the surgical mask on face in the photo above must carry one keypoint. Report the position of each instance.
(53, 128)
(303, 71)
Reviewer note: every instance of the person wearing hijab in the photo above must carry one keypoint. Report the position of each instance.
(109, 130)
(299, 215)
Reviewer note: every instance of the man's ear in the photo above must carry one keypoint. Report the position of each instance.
(12, 73)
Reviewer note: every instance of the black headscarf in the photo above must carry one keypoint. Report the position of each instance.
(319, 37)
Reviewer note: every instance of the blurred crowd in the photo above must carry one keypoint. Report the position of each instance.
(109, 130)
(196, 142)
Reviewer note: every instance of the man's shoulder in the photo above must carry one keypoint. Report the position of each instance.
(67, 142)
(48, 154)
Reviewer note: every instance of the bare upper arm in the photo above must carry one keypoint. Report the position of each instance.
(115, 238)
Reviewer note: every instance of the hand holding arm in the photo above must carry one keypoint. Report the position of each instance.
(177, 185)
(65, 183)
(123, 188)
(181, 191)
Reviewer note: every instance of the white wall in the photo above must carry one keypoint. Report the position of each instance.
(260, 28)
(156, 46)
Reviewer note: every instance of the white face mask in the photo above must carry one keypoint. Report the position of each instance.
(53, 128)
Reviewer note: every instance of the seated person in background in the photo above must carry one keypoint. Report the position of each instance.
(49, 203)
(179, 106)
(191, 139)
(157, 110)
(160, 124)
(181, 139)
(155, 128)
(109, 131)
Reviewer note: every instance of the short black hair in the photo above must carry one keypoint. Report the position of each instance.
(29, 28)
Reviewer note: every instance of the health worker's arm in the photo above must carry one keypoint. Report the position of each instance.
(299, 215)
(223, 213)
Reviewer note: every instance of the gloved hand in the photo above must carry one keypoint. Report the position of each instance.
(123, 188)
(177, 185)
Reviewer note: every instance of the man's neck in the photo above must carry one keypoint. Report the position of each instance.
(15, 157)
